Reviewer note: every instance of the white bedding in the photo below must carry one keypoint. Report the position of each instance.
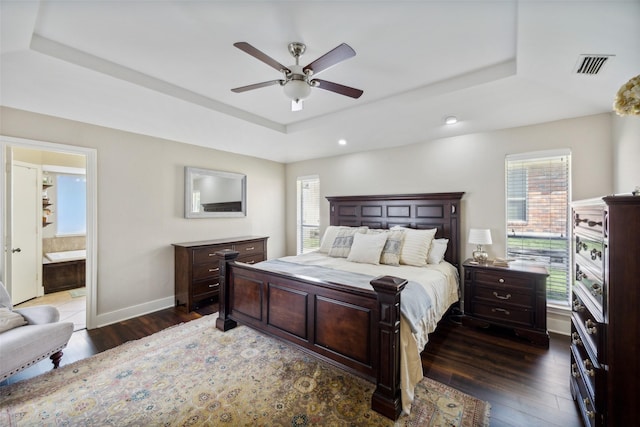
(440, 281)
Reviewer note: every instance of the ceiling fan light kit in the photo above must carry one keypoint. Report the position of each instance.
(297, 82)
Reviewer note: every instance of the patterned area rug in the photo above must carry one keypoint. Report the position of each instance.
(193, 374)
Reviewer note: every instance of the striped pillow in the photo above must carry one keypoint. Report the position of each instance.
(416, 246)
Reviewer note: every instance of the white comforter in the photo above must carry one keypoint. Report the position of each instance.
(441, 283)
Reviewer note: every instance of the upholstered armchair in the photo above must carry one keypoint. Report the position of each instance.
(28, 335)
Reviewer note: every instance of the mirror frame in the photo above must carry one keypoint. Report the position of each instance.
(189, 175)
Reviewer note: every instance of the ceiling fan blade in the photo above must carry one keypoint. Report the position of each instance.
(338, 88)
(246, 47)
(256, 86)
(331, 58)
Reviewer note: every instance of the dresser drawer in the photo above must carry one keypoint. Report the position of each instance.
(208, 254)
(591, 283)
(503, 313)
(251, 259)
(209, 270)
(590, 253)
(505, 294)
(591, 330)
(589, 221)
(205, 288)
(250, 248)
(588, 411)
(592, 373)
(504, 280)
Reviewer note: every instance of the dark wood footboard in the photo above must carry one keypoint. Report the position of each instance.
(355, 329)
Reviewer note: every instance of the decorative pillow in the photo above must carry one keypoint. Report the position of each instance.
(416, 246)
(343, 241)
(329, 236)
(10, 319)
(392, 248)
(366, 248)
(437, 251)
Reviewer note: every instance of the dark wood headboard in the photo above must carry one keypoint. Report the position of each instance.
(420, 211)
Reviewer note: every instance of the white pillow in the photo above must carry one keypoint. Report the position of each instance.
(10, 319)
(343, 241)
(416, 246)
(437, 251)
(329, 236)
(366, 248)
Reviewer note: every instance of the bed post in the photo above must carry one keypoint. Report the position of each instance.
(223, 322)
(387, 398)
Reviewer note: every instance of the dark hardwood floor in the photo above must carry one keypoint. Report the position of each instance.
(525, 385)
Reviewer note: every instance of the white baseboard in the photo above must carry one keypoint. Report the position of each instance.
(133, 311)
(559, 320)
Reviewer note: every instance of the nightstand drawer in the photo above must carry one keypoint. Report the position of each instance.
(505, 295)
(504, 314)
(503, 279)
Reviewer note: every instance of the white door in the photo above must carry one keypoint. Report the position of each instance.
(26, 210)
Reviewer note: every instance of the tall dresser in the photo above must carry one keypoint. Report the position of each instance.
(605, 322)
(197, 268)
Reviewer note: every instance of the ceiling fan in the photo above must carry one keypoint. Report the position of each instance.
(298, 81)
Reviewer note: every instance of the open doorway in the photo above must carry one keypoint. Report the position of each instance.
(66, 226)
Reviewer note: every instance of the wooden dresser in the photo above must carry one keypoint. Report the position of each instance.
(605, 321)
(196, 267)
(514, 297)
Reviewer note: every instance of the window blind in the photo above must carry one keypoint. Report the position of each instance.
(308, 214)
(537, 205)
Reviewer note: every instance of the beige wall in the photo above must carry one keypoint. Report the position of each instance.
(471, 163)
(626, 139)
(141, 205)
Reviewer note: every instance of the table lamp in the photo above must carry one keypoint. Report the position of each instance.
(479, 237)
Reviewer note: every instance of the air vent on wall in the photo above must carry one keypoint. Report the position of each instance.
(591, 64)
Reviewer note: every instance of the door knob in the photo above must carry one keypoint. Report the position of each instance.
(16, 250)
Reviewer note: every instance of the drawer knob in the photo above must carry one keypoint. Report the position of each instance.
(575, 338)
(586, 401)
(577, 306)
(591, 414)
(251, 262)
(592, 328)
(250, 249)
(211, 270)
(501, 280)
(214, 285)
(495, 294)
(596, 289)
(595, 254)
(574, 371)
(501, 310)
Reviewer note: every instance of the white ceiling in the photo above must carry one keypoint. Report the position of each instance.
(165, 68)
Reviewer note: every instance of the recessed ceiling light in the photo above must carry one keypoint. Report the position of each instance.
(451, 120)
(342, 141)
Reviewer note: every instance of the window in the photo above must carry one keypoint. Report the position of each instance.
(71, 201)
(538, 218)
(308, 197)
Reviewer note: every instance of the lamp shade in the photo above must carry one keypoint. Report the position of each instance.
(480, 236)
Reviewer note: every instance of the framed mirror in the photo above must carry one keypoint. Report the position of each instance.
(214, 194)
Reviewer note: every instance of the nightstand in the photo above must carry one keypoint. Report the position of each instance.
(514, 297)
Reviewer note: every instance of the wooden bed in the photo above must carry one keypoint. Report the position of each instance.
(328, 319)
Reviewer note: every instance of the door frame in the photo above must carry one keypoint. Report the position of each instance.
(91, 156)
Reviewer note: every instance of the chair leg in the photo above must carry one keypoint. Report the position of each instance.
(55, 358)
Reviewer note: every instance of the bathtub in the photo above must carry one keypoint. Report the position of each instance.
(67, 255)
